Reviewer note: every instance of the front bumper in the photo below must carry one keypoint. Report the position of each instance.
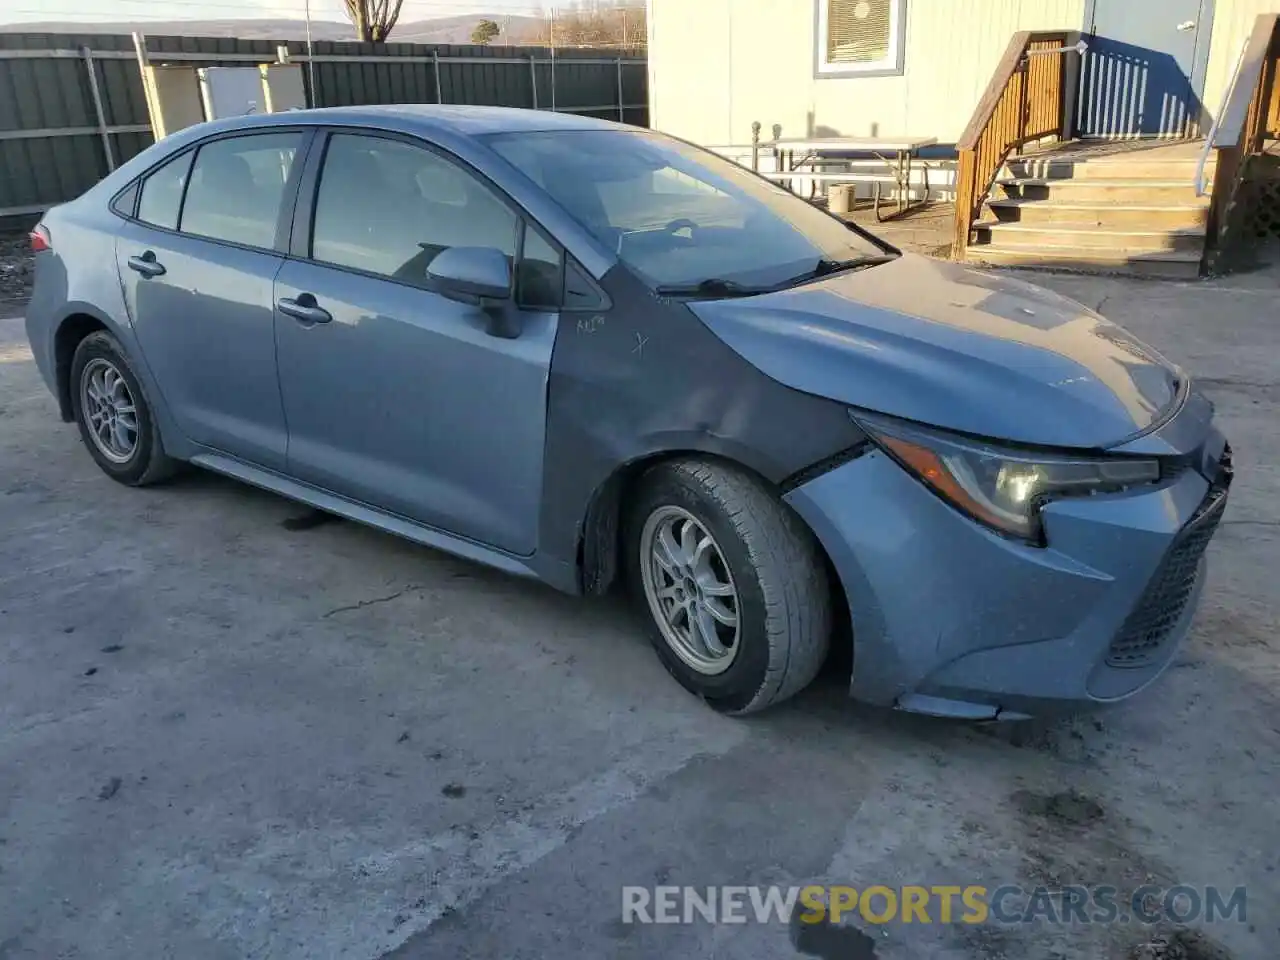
(954, 620)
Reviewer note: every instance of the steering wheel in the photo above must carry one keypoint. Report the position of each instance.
(675, 226)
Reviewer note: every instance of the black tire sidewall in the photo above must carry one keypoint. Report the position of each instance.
(735, 688)
(106, 347)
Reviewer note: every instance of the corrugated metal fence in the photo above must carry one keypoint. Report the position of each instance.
(72, 105)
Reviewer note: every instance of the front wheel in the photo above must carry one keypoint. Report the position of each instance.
(731, 583)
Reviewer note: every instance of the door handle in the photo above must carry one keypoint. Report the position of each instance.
(147, 265)
(1186, 25)
(304, 309)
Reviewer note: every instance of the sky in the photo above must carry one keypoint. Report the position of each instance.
(17, 11)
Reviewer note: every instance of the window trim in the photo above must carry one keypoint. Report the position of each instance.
(893, 65)
(288, 201)
(302, 227)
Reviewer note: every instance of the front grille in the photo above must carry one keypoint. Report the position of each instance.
(1148, 627)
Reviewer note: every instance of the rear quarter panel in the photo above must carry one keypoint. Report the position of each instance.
(79, 278)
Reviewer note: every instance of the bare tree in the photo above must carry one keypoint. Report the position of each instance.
(618, 23)
(373, 19)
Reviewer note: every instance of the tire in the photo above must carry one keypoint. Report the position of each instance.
(99, 358)
(781, 597)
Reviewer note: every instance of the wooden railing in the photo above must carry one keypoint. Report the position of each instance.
(1026, 101)
(1250, 116)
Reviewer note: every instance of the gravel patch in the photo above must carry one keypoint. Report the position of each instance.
(17, 267)
(1180, 945)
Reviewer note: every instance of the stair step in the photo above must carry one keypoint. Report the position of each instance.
(1108, 168)
(1126, 191)
(1169, 264)
(1193, 213)
(1087, 236)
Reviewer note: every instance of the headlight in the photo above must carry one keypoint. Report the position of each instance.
(1002, 488)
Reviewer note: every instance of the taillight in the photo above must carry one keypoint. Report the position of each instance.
(40, 239)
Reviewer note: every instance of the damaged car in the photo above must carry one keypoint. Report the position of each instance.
(594, 355)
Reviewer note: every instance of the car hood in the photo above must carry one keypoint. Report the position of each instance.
(962, 349)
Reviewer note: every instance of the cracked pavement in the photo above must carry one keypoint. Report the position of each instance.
(229, 730)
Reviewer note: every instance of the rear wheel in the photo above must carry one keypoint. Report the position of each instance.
(731, 584)
(112, 412)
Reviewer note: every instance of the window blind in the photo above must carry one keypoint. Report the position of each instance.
(858, 31)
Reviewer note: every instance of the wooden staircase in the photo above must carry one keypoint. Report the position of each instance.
(1131, 210)
(1128, 206)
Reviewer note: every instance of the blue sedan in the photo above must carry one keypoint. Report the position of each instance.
(596, 355)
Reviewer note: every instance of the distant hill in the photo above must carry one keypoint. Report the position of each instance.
(516, 29)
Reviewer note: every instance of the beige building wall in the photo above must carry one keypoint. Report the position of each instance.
(717, 65)
(1232, 23)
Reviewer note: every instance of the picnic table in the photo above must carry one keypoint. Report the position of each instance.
(804, 159)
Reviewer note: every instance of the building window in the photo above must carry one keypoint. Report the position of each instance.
(860, 38)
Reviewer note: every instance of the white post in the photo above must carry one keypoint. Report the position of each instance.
(622, 110)
(311, 58)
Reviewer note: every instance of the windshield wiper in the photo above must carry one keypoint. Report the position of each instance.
(711, 287)
(717, 287)
(824, 268)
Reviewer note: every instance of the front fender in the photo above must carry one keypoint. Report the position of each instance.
(648, 380)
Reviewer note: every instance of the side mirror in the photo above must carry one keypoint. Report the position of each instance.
(479, 276)
(468, 274)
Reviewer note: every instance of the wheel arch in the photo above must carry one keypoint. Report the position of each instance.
(79, 321)
(600, 545)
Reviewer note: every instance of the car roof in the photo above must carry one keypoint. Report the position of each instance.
(429, 117)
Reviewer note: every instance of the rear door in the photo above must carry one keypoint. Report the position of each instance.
(198, 262)
(1144, 71)
(396, 396)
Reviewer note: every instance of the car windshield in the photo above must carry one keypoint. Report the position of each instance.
(682, 217)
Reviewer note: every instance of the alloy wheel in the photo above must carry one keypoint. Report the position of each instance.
(690, 590)
(109, 410)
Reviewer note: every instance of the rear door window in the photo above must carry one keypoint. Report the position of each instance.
(161, 198)
(237, 188)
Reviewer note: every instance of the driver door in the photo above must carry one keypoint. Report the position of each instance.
(395, 396)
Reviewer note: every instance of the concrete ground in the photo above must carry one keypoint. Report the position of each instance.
(228, 732)
(923, 229)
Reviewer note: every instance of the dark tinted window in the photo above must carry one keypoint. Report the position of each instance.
(162, 193)
(237, 186)
(580, 291)
(540, 279)
(390, 208)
